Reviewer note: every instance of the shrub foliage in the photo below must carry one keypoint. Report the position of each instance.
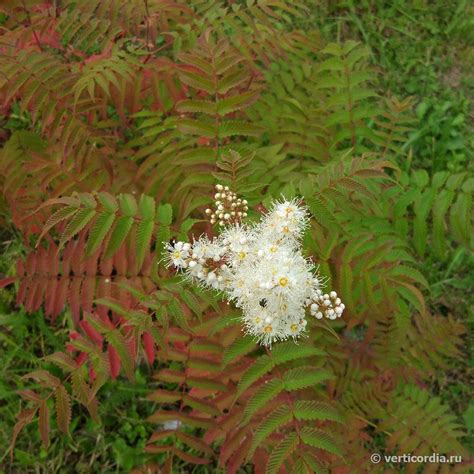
(131, 111)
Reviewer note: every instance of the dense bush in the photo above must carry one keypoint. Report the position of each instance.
(119, 117)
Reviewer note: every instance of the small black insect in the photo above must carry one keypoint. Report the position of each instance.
(263, 303)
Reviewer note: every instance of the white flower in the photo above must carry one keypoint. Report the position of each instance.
(262, 270)
(178, 254)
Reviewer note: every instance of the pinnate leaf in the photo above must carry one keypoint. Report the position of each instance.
(63, 408)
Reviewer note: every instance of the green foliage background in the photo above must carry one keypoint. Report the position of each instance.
(422, 50)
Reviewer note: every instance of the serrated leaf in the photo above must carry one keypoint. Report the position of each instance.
(201, 127)
(146, 207)
(236, 102)
(119, 234)
(118, 342)
(84, 394)
(99, 230)
(280, 452)
(24, 418)
(128, 205)
(178, 315)
(231, 128)
(44, 423)
(201, 405)
(232, 80)
(62, 360)
(58, 216)
(302, 377)
(200, 106)
(313, 410)
(197, 81)
(29, 395)
(288, 351)
(108, 201)
(44, 377)
(259, 368)
(206, 384)
(265, 393)
(319, 439)
(164, 396)
(144, 233)
(79, 221)
(272, 422)
(165, 214)
(240, 347)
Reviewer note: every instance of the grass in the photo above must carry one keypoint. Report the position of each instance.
(421, 49)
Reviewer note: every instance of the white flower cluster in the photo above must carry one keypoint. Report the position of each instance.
(262, 270)
(229, 208)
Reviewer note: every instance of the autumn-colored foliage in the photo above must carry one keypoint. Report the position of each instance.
(133, 110)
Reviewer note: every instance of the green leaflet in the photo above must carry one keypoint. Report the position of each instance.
(58, 216)
(165, 214)
(319, 439)
(313, 410)
(83, 393)
(261, 366)
(99, 230)
(201, 405)
(80, 220)
(146, 207)
(280, 452)
(275, 420)
(177, 313)
(232, 80)
(119, 233)
(144, 232)
(197, 127)
(265, 393)
(164, 396)
(238, 127)
(242, 346)
(203, 364)
(236, 102)
(62, 360)
(311, 460)
(118, 342)
(302, 377)
(197, 81)
(128, 205)
(88, 200)
(206, 384)
(193, 106)
(287, 351)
